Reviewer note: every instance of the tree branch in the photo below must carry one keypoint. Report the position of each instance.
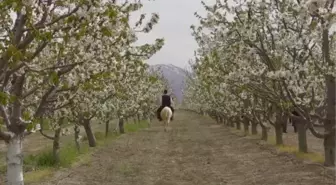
(6, 136)
(5, 116)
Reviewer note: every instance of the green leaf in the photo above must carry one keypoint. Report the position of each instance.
(153, 79)
(12, 99)
(124, 20)
(106, 32)
(65, 85)
(17, 56)
(3, 98)
(313, 24)
(33, 124)
(112, 13)
(48, 35)
(26, 116)
(11, 50)
(54, 78)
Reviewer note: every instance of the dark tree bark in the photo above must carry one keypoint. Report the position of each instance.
(246, 123)
(56, 145)
(254, 126)
(77, 131)
(278, 128)
(302, 136)
(107, 127)
(89, 133)
(121, 126)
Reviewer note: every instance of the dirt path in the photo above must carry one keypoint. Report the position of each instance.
(194, 152)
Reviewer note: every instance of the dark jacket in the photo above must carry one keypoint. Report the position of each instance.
(165, 100)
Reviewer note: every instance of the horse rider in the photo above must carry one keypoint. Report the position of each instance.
(166, 100)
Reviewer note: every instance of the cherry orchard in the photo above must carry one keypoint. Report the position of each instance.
(57, 61)
(271, 58)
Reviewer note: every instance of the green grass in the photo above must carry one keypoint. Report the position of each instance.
(44, 159)
(133, 127)
(68, 154)
(37, 176)
(42, 165)
(311, 156)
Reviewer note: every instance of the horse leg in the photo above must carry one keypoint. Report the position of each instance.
(165, 125)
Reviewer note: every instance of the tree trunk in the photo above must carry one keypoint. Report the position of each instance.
(284, 127)
(217, 120)
(138, 118)
(302, 136)
(89, 133)
(225, 122)
(77, 131)
(15, 162)
(238, 126)
(329, 149)
(278, 134)
(246, 125)
(149, 121)
(232, 123)
(107, 127)
(121, 126)
(264, 134)
(56, 145)
(254, 129)
(329, 140)
(278, 128)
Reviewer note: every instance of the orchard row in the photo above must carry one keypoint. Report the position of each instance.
(73, 60)
(265, 62)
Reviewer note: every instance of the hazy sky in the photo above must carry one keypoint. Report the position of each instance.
(176, 17)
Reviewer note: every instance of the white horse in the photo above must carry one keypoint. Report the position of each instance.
(166, 114)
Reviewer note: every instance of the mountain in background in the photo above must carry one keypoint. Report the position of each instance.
(175, 77)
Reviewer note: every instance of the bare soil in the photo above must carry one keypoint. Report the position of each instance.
(195, 151)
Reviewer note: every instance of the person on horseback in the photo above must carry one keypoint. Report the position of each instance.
(165, 101)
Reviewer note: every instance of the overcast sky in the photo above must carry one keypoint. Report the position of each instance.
(176, 17)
